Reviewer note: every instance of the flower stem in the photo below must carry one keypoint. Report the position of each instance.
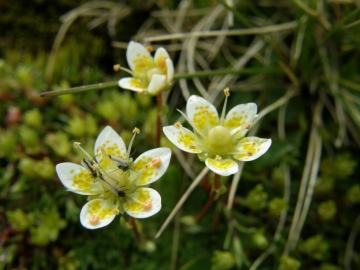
(158, 128)
(210, 200)
(244, 71)
(134, 228)
(182, 200)
(74, 90)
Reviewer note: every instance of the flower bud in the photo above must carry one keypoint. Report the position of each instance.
(126, 106)
(59, 143)
(190, 225)
(289, 263)
(18, 220)
(49, 224)
(24, 75)
(29, 139)
(124, 223)
(327, 210)
(324, 185)
(8, 144)
(260, 240)
(45, 168)
(13, 116)
(107, 109)
(341, 168)
(328, 266)
(76, 126)
(148, 246)
(277, 178)
(276, 206)
(315, 247)
(256, 198)
(353, 194)
(33, 118)
(27, 166)
(143, 100)
(91, 125)
(222, 260)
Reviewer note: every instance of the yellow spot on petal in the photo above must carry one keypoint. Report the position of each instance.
(188, 140)
(147, 170)
(99, 210)
(222, 164)
(82, 180)
(135, 83)
(143, 202)
(142, 63)
(161, 62)
(204, 118)
(234, 121)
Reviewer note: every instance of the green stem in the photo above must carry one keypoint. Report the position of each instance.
(98, 86)
(245, 71)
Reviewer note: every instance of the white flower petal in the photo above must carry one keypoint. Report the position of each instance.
(152, 165)
(77, 179)
(97, 213)
(222, 167)
(160, 57)
(170, 70)
(251, 148)
(150, 203)
(112, 143)
(202, 114)
(138, 57)
(157, 84)
(241, 116)
(182, 138)
(131, 84)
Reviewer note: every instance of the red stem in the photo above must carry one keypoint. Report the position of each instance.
(210, 200)
(134, 228)
(159, 109)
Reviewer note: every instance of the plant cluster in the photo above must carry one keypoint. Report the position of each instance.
(271, 183)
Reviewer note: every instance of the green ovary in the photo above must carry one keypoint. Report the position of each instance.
(153, 71)
(218, 140)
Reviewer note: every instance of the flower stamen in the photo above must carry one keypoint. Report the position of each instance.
(117, 67)
(77, 145)
(135, 132)
(149, 48)
(227, 94)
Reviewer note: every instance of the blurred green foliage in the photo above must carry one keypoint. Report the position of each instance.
(40, 226)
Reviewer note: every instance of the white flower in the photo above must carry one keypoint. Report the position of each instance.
(149, 75)
(218, 142)
(114, 182)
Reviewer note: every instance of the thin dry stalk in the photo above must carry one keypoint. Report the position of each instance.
(182, 200)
